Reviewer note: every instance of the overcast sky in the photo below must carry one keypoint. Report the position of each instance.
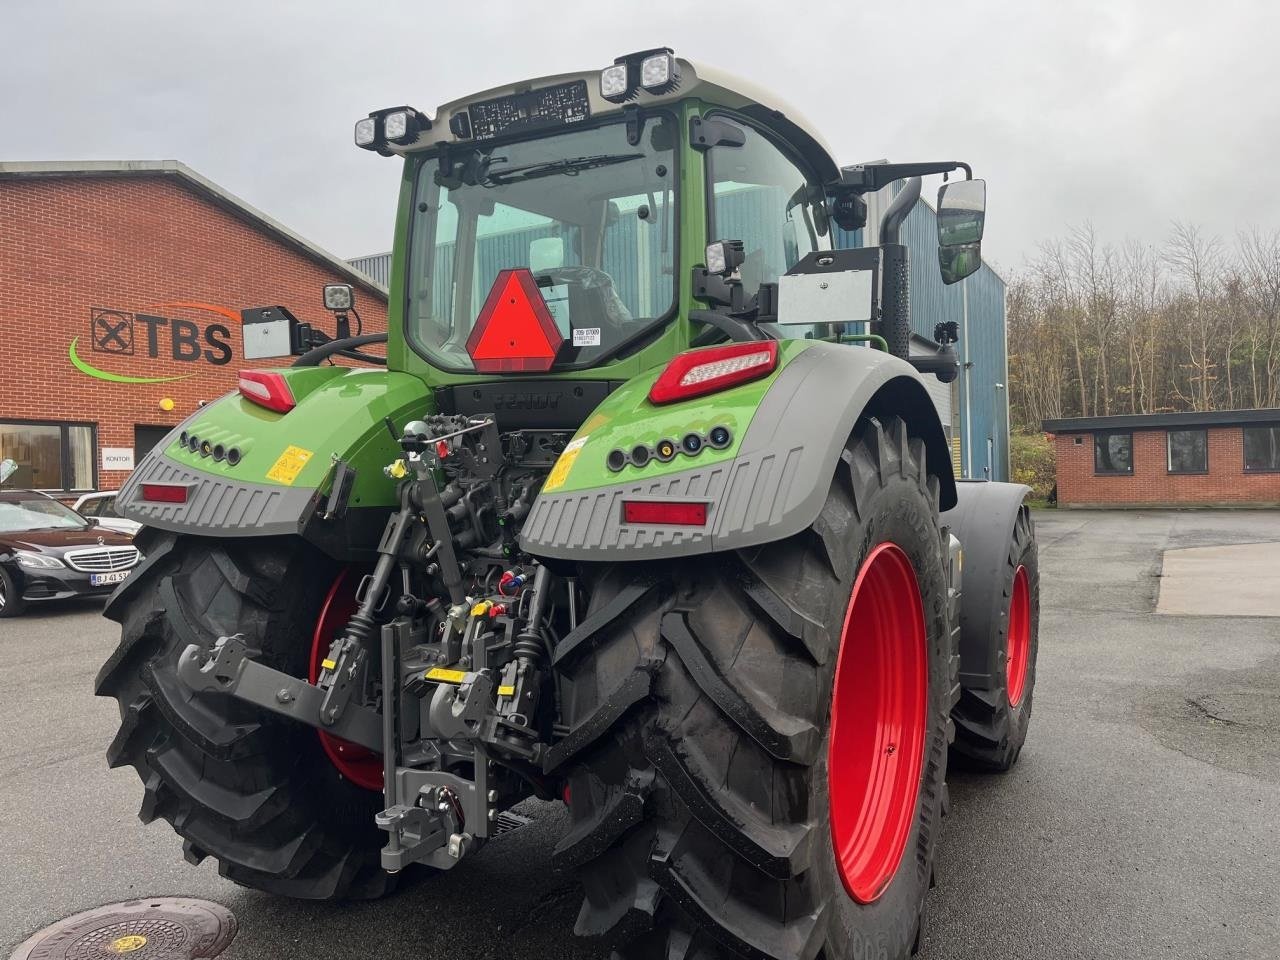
(1125, 113)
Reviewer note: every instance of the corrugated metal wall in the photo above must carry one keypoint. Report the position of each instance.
(976, 305)
(376, 266)
(978, 308)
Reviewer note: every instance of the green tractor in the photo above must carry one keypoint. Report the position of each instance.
(649, 513)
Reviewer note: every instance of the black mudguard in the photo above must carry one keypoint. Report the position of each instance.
(983, 520)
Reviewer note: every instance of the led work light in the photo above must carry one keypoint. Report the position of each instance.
(366, 132)
(724, 256)
(613, 81)
(399, 125)
(657, 71)
(653, 71)
(339, 296)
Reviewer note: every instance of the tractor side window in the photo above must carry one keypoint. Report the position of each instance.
(431, 287)
(637, 250)
(759, 195)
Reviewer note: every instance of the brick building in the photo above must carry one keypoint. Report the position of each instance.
(121, 286)
(1222, 458)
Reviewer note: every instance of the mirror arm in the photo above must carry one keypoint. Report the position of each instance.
(870, 177)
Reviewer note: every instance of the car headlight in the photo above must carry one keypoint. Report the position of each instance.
(37, 561)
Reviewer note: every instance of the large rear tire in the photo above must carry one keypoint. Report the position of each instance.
(715, 709)
(253, 790)
(991, 723)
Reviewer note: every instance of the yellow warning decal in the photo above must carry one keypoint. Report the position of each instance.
(560, 472)
(328, 664)
(289, 464)
(506, 691)
(442, 675)
(596, 421)
(127, 944)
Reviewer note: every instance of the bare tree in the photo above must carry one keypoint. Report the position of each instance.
(1098, 330)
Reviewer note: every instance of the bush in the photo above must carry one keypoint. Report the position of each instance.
(1032, 461)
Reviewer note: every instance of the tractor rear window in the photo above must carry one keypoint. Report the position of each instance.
(590, 214)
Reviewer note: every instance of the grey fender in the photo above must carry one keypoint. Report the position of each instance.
(983, 521)
(776, 484)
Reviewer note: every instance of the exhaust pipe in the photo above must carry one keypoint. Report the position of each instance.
(895, 297)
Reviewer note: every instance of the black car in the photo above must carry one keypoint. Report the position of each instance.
(50, 552)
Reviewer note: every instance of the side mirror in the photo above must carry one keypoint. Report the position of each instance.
(8, 468)
(961, 218)
(956, 263)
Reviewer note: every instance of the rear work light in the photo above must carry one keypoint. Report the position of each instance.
(669, 512)
(699, 372)
(267, 389)
(165, 492)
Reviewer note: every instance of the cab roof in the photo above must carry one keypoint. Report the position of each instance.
(695, 80)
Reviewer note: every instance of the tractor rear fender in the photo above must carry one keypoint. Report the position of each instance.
(777, 482)
(983, 521)
(282, 478)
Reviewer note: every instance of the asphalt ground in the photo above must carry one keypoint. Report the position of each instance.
(1143, 819)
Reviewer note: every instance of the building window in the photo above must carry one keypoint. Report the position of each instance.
(1188, 451)
(1261, 449)
(1113, 453)
(48, 456)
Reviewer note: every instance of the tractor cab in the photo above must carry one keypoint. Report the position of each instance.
(592, 225)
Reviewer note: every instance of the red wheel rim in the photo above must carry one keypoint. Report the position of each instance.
(358, 764)
(878, 716)
(1019, 643)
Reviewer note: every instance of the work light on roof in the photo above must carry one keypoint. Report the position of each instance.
(613, 82)
(399, 125)
(657, 71)
(653, 71)
(366, 132)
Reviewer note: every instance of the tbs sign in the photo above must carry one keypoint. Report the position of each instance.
(120, 338)
(134, 334)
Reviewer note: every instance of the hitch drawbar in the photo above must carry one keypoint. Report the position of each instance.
(228, 669)
(445, 816)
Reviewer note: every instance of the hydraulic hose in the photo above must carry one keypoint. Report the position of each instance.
(348, 347)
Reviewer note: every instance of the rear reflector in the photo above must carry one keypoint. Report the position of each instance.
(267, 389)
(165, 492)
(514, 331)
(699, 372)
(672, 513)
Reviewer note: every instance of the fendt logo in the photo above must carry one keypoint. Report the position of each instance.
(150, 336)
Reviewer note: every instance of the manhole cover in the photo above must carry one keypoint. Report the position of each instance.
(164, 928)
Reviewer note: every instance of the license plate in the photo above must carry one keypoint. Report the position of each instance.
(102, 579)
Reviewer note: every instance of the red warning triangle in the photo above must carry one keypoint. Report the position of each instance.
(515, 331)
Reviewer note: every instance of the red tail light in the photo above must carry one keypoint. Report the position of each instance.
(165, 492)
(711, 369)
(672, 513)
(267, 389)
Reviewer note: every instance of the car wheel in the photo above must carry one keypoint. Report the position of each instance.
(11, 602)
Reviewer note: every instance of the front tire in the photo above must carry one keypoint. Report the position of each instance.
(701, 750)
(253, 790)
(11, 602)
(991, 723)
